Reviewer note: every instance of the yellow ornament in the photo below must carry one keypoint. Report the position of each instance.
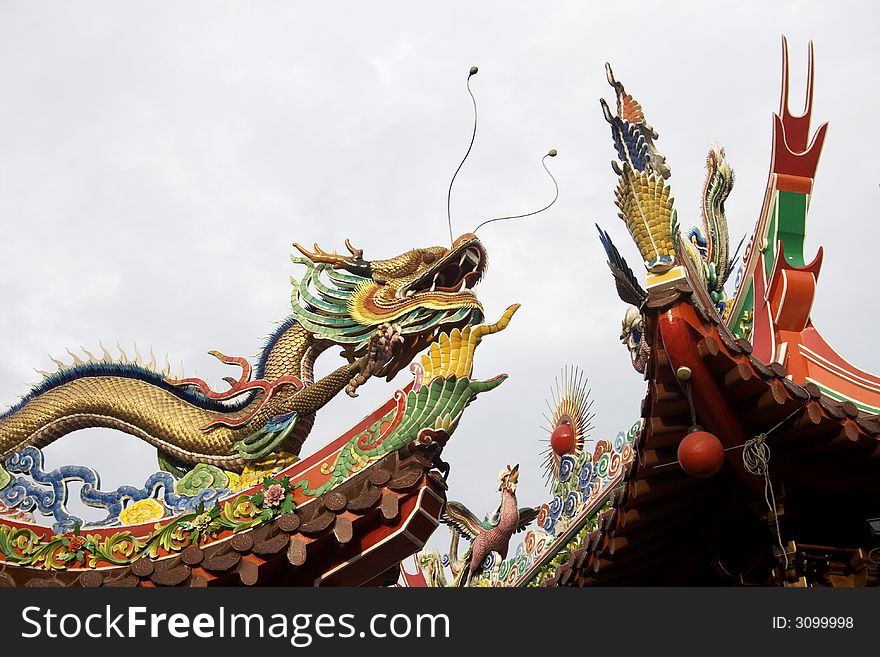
(142, 511)
(646, 209)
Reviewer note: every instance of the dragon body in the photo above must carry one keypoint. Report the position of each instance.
(381, 313)
(708, 244)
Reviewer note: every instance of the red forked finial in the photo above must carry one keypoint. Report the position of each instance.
(793, 154)
(797, 128)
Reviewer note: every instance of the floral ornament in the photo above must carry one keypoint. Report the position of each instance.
(143, 511)
(276, 497)
(542, 542)
(71, 548)
(243, 508)
(205, 521)
(273, 496)
(74, 545)
(200, 522)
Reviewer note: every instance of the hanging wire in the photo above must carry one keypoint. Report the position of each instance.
(550, 153)
(756, 459)
(472, 73)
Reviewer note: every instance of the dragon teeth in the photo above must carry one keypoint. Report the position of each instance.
(473, 256)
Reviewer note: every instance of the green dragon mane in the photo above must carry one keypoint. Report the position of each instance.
(321, 299)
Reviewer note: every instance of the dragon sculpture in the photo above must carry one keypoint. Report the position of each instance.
(381, 313)
(486, 536)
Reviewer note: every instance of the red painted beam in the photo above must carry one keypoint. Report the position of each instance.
(712, 409)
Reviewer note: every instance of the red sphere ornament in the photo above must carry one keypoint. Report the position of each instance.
(700, 454)
(562, 439)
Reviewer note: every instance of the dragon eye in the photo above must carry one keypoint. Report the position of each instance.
(428, 257)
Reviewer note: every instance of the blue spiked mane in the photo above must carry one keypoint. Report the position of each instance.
(141, 373)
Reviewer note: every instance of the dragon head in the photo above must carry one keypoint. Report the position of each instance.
(343, 299)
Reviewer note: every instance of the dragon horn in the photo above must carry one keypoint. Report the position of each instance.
(319, 255)
(353, 263)
(358, 254)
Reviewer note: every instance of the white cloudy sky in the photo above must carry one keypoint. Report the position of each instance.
(158, 159)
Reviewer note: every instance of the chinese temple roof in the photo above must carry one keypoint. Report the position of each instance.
(667, 527)
(758, 455)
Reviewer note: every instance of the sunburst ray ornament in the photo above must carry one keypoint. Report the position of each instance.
(570, 419)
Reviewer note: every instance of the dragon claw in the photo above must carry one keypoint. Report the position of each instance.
(352, 387)
(379, 354)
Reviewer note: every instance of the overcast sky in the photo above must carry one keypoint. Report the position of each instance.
(157, 160)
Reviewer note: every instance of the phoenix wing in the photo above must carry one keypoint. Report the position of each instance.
(462, 521)
(628, 287)
(526, 515)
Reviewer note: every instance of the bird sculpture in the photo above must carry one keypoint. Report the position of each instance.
(489, 535)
